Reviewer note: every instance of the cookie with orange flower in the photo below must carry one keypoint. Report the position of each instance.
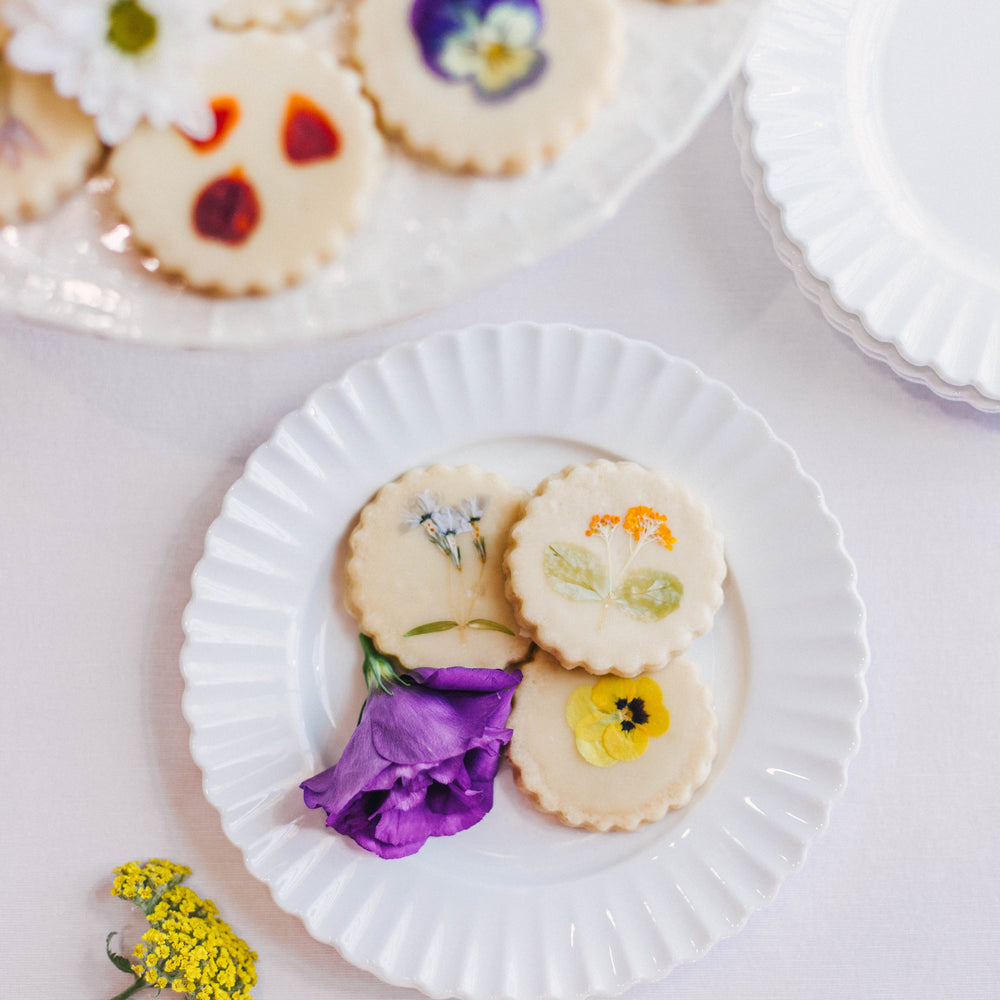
(615, 568)
(611, 753)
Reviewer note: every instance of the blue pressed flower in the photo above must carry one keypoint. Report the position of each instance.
(491, 44)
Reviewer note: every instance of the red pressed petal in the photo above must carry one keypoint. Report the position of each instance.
(227, 114)
(309, 134)
(227, 209)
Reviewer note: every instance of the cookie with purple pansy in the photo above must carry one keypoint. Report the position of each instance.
(491, 86)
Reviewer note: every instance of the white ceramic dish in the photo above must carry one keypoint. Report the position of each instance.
(817, 290)
(870, 120)
(520, 906)
(431, 237)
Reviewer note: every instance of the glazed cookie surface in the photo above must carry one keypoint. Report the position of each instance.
(424, 576)
(614, 567)
(275, 192)
(611, 753)
(494, 86)
(268, 13)
(48, 146)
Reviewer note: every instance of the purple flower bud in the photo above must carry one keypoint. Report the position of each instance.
(421, 761)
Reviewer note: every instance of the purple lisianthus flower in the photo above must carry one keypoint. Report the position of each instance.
(422, 759)
(491, 44)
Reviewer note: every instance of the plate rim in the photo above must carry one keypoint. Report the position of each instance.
(437, 346)
(798, 106)
(817, 290)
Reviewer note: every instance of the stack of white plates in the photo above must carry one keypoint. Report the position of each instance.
(871, 141)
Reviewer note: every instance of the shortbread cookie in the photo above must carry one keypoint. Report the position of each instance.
(425, 575)
(289, 173)
(615, 568)
(611, 753)
(494, 86)
(48, 146)
(268, 13)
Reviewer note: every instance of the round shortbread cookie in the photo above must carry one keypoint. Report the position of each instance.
(48, 146)
(492, 86)
(662, 725)
(236, 14)
(615, 568)
(425, 572)
(286, 178)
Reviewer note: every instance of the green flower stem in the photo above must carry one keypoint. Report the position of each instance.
(134, 988)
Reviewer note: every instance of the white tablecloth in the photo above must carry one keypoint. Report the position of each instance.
(114, 459)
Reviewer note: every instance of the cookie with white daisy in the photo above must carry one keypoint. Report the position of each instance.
(48, 146)
(615, 568)
(611, 753)
(492, 86)
(424, 577)
(268, 13)
(288, 173)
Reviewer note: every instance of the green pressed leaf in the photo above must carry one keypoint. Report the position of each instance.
(485, 623)
(431, 627)
(649, 594)
(575, 572)
(120, 962)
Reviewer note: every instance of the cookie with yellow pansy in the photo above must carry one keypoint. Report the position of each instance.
(615, 567)
(611, 753)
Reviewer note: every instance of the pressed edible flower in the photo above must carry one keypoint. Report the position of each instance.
(444, 526)
(491, 44)
(607, 577)
(422, 760)
(122, 60)
(187, 947)
(614, 719)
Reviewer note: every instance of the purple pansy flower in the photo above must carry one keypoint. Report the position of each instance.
(491, 44)
(422, 759)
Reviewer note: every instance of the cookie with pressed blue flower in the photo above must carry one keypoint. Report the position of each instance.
(276, 190)
(424, 575)
(48, 146)
(490, 86)
(237, 14)
(615, 567)
(611, 753)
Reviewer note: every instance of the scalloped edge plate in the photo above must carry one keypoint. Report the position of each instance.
(817, 290)
(520, 906)
(816, 77)
(431, 236)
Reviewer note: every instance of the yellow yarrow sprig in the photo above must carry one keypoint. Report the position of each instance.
(188, 947)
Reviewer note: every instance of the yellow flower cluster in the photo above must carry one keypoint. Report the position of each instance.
(144, 883)
(188, 946)
(191, 949)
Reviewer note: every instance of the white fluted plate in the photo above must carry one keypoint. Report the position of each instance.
(520, 907)
(817, 290)
(430, 237)
(873, 124)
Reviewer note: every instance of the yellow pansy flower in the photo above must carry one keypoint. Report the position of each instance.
(614, 719)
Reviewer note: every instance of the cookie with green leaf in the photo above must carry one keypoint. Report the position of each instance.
(615, 568)
(611, 753)
(424, 577)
